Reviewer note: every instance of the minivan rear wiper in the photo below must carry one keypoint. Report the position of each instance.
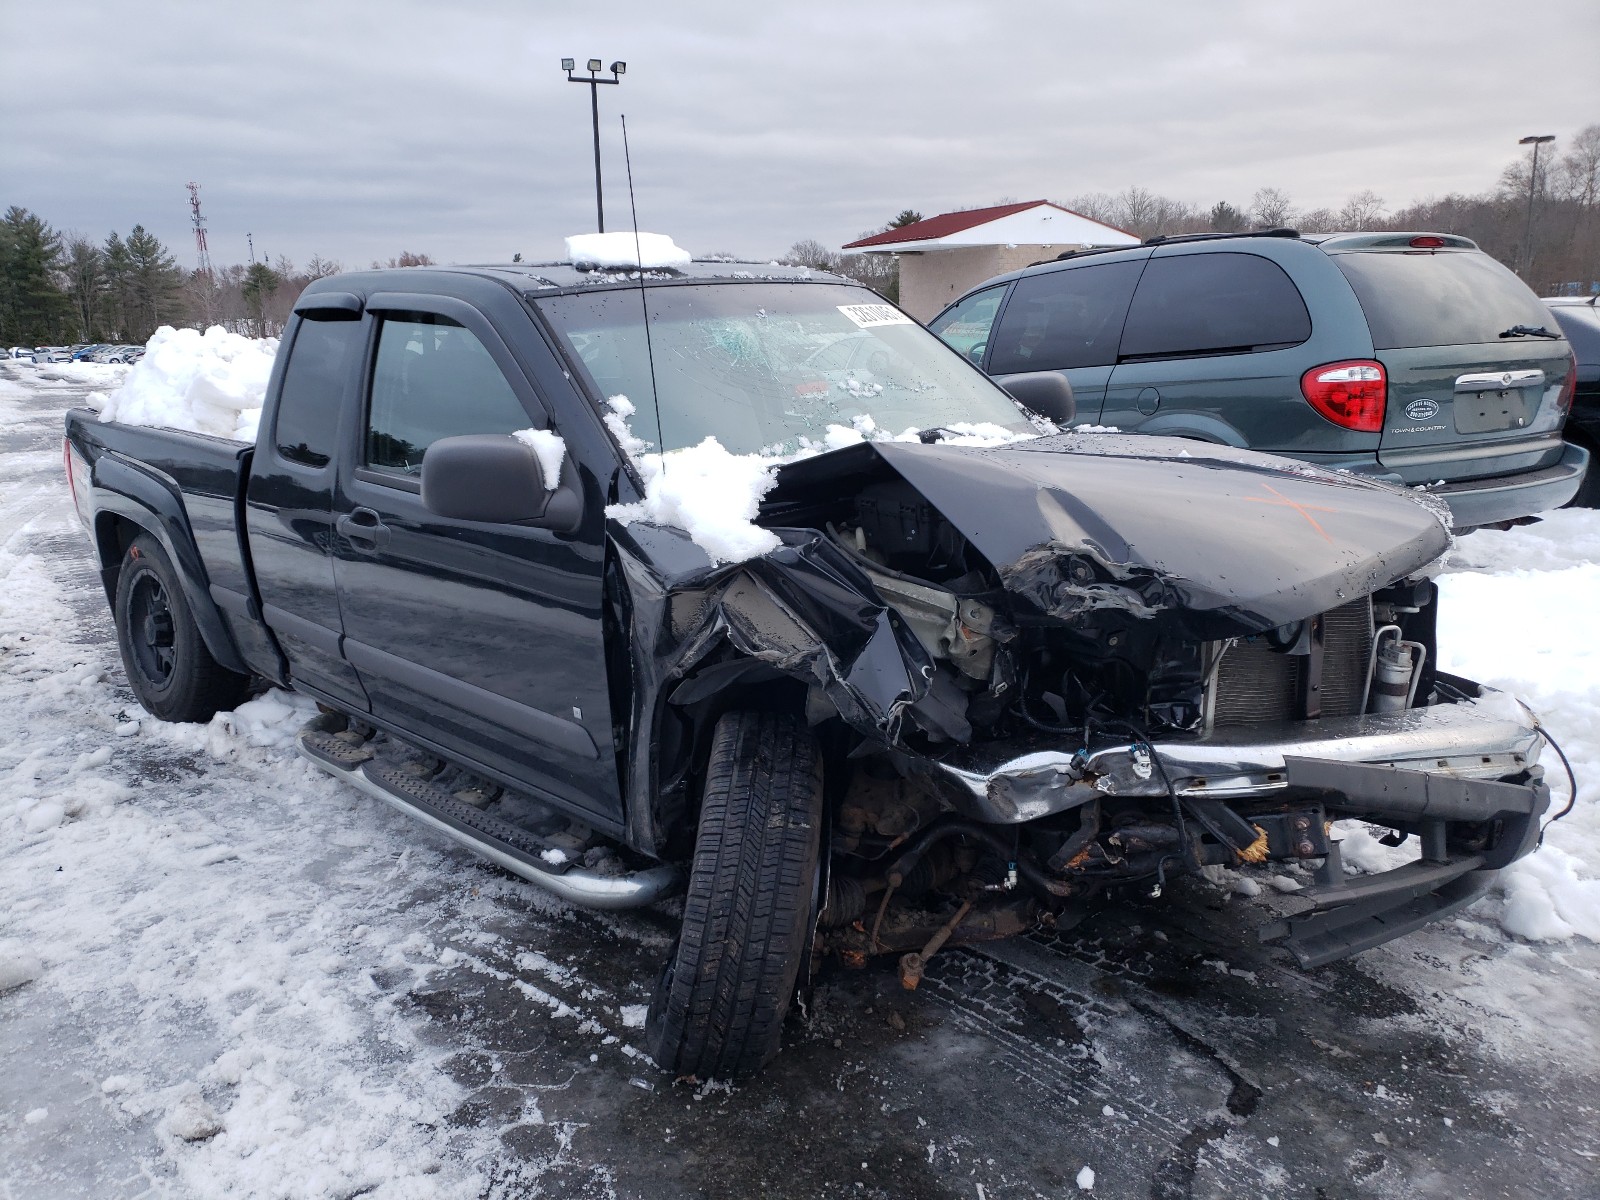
(1528, 331)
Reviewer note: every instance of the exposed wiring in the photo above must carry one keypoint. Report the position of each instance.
(1572, 784)
(1172, 792)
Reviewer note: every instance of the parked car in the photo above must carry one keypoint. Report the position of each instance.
(1411, 357)
(20, 352)
(87, 353)
(963, 688)
(52, 354)
(1579, 319)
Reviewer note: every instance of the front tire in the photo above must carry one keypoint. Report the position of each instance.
(169, 667)
(718, 1009)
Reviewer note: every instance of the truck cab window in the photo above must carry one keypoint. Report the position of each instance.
(433, 379)
(308, 407)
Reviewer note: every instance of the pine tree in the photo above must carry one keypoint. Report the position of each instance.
(85, 270)
(118, 269)
(155, 285)
(33, 308)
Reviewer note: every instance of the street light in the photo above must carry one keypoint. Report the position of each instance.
(1534, 140)
(593, 67)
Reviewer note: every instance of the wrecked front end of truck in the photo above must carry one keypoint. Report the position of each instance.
(1044, 670)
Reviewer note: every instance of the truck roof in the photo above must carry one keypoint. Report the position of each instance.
(563, 276)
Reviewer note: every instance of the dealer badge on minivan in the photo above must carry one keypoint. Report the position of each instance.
(1423, 409)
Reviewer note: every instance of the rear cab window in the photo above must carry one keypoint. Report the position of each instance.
(1213, 303)
(1418, 298)
(1058, 320)
(307, 422)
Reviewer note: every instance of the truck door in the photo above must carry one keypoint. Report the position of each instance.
(483, 639)
(289, 500)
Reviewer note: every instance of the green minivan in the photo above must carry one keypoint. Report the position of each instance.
(1411, 357)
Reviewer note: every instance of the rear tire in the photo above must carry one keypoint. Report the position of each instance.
(169, 667)
(718, 1009)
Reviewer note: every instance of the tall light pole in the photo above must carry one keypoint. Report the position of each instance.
(617, 69)
(1534, 140)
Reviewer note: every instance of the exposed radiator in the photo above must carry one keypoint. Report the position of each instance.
(1256, 683)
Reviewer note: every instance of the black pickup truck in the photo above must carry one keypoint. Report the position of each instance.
(971, 683)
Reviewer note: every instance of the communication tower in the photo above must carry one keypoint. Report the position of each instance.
(202, 254)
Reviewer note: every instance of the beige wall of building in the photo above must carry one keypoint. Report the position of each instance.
(930, 280)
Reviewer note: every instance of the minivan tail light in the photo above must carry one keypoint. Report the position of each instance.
(1569, 390)
(1427, 242)
(1353, 395)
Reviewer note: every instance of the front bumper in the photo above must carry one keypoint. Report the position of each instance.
(1010, 783)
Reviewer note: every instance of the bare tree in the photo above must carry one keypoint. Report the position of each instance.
(1362, 211)
(1271, 208)
(320, 268)
(406, 259)
(1318, 220)
(808, 252)
(1580, 168)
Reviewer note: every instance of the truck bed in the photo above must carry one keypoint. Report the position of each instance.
(191, 482)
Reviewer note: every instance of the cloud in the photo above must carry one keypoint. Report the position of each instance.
(361, 128)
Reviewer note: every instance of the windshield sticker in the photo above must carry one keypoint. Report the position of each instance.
(869, 315)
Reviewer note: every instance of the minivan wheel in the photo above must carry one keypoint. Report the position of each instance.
(719, 1005)
(169, 668)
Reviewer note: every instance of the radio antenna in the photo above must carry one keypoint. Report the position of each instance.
(644, 304)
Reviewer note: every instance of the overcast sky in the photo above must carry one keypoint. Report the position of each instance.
(356, 129)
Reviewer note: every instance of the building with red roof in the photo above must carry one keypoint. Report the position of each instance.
(943, 256)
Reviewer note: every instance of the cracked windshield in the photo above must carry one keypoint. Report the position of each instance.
(767, 367)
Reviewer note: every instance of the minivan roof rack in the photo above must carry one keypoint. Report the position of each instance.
(1162, 239)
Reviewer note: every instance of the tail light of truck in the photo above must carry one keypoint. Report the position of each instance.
(72, 484)
(1353, 394)
(73, 463)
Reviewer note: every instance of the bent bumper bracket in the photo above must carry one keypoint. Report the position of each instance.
(1348, 915)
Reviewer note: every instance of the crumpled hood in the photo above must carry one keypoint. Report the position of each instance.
(1230, 541)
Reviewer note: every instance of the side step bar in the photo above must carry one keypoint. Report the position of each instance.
(501, 843)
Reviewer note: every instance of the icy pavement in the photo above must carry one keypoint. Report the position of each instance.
(234, 978)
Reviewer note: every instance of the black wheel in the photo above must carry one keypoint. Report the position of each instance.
(718, 1009)
(171, 671)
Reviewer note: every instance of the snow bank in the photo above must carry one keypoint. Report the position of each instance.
(207, 383)
(1527, 628)
(713, 494)
(650, 251)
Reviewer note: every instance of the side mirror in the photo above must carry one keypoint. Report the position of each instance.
(495, 478)
(1046, 392)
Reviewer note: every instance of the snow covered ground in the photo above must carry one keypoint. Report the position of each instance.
(223, 975)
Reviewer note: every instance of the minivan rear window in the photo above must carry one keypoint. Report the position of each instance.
(1444, 298)
(1213, 303)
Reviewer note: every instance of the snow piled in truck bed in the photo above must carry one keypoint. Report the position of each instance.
(213, 383)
